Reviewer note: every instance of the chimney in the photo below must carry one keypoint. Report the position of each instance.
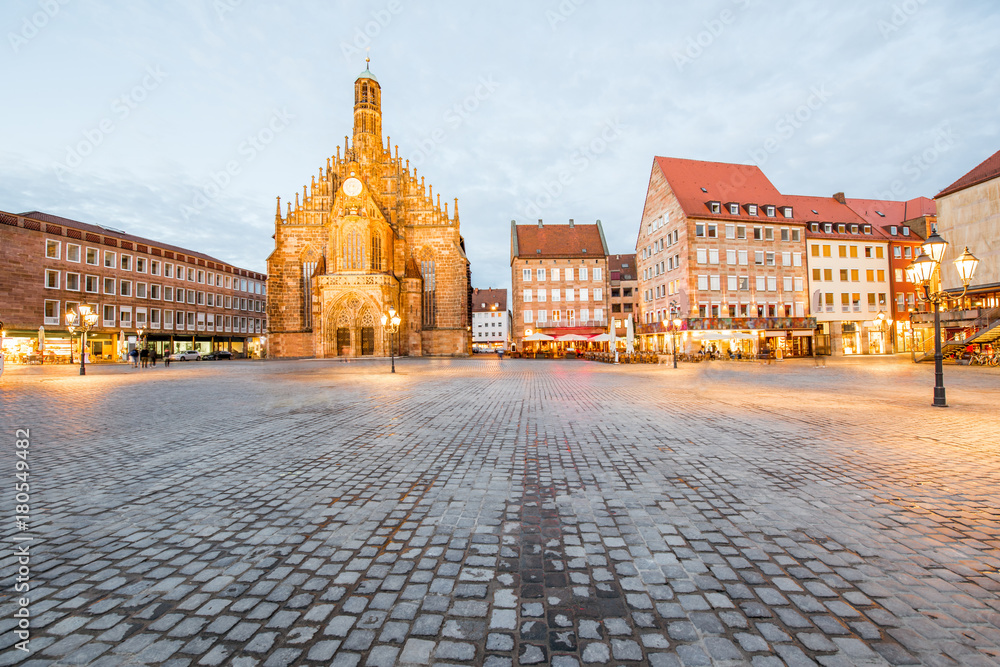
(571, 223)
(840, 197)
(539, 223)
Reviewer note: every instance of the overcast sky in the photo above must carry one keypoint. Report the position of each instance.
(127, 114)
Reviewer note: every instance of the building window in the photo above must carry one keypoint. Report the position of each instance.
(154, 268)
(109, 286)
(190, 275)
(713, 231)
(109, 260)
(201, 276)
(109, 316)
(73, 282)
(92, 256)
(752, 209)
(126, 263)
(72, 252)
(125, 317)
(526, 275)
(140, 290)
(51, 279)
(796, 236)
(597, 275)
(429, 312)
(190, 296)
(583, 273)
(91, 284)
(125, 288)
(758, 257)
(52, 249)
(699, 229)
(140, 264)
(540, 274)
(51, 312)
(769, 233)
(734, 209)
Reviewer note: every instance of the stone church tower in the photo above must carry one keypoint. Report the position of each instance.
(366, 236)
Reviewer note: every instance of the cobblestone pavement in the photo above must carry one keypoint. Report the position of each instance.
(480, 512)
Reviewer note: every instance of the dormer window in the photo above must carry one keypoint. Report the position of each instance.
(715, 207)
(734, 208)
(854, 229)
(892, 230)
(841, 228)
(769, 211)
(868, 229)
(752, 209)
(906, 231)
(786, 211)
(827, 227)
(813, 226)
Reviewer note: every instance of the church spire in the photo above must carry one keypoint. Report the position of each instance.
(277, 212)
(367, 116)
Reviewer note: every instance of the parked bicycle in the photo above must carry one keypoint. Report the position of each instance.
(985, 359)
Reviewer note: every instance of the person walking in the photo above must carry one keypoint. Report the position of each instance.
(144, 358)
(152, 357)
(166, 357)
(133, 356)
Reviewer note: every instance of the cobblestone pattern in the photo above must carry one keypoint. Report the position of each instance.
(504, 513)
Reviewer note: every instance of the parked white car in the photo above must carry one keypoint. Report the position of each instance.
(189, 355)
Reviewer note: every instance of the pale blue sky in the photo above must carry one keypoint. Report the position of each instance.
(495, 101)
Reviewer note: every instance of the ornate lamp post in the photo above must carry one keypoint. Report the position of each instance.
(675, 323)
(391, 323)
(923, 269)
(83, 319)
(140, 333)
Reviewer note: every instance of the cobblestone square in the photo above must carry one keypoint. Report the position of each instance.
(485, 512)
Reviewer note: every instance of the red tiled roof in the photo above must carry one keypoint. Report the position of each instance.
(483, 300)
(828, 209)
(987, 170)
(114, 233)
(624, 265)
(722, 182)
(559, 241)
(893, 212)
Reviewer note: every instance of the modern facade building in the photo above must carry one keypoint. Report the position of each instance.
(905, 225)
(491, 320)
(722, 250)
(368, 236)
(623, 290)
(179, 298)
(559, 275)
(848, 262)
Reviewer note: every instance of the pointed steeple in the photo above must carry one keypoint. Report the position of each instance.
(367, 116)
(277, 213)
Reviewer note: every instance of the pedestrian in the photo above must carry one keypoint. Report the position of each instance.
(499, 354)
(166, 357)
(152, 357)
(134, 357)
(144, 358)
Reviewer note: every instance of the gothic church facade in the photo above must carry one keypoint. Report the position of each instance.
(367, 236)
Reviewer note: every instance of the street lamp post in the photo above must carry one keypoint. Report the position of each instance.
(922, 271)
(140, 334)
(884, 323)
(675, 323)
(84, 319)
(391, 323)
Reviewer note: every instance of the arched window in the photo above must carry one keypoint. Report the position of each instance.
(427, 270)
(353, 253)
(376, 251)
